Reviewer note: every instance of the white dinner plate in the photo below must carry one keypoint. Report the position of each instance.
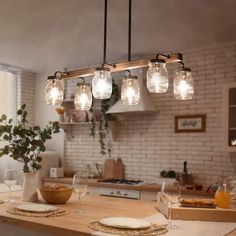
(35, 207)
(125, 222)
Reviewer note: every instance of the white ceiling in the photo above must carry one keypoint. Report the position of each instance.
(46, 35)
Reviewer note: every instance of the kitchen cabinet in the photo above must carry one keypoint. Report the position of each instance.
(93, 190)
(148, 196)
(229, 117)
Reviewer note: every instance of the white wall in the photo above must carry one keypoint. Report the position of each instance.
(45, 113)
(147, 143)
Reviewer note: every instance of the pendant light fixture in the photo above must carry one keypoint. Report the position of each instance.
(157, 76)
(102, 81)
(130, 89)
(54, 89)
(183, 84)
(83, 96)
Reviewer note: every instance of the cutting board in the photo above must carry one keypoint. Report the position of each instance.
(119, 169)
(109, 166)
(113, 169)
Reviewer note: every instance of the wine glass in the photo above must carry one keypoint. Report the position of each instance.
(80, 185)
(173, 193)
(10, 179)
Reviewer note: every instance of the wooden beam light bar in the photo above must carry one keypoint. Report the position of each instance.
(83, 72)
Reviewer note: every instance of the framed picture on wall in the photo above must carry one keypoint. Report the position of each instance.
(190, 123)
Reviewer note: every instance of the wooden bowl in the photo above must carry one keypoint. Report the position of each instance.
(56, 195)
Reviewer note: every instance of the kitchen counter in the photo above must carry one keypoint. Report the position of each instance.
(94, 208)
(152, 187)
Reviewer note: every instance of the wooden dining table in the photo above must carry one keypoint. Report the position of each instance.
(93, 208)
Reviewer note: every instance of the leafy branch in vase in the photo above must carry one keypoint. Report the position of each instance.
(25, 143)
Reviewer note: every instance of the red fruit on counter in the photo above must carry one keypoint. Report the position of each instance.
(198, 187)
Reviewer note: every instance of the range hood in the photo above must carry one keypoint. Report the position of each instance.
(145, 104)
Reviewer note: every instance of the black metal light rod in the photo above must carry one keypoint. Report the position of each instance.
(129, 30)
(105, 33)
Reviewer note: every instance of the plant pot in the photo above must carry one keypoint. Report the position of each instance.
(31, 182)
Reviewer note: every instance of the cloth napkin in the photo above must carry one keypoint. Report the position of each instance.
(186, 228)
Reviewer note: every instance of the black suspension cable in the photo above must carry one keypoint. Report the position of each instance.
(129, 30)
(105, 33)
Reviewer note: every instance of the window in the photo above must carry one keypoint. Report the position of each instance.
(7, 106)
(7, 93)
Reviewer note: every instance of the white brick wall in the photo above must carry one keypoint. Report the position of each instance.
(25, 88)
(147, 144)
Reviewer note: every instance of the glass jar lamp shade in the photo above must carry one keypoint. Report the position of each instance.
(130, 90)
(83, 97)
(102, 83)
(183, 84)
(157, 76)
(54, 91)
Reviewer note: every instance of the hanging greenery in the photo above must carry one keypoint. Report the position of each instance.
(105, 118)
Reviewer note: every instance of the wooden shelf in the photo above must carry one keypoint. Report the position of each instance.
(232, 106)
(232, 128)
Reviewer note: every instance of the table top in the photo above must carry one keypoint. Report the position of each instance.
(94, 208)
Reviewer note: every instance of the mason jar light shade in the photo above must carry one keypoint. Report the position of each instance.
(102, 83)
(54, 91)
(183, 85)
(130, 91)
(83, 97)
(157, 76)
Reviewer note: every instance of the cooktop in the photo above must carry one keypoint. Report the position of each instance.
(123, 181)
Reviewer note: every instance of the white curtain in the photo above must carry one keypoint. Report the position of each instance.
(8, 107)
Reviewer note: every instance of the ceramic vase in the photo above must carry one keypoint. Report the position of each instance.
(31, 183)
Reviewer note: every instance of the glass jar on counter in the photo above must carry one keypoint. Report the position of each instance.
(223, 197)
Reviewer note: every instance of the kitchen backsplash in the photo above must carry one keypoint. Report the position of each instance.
(148, 144)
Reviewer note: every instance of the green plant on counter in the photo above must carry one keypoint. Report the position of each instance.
(24, 143)
(168, 174)
(105, 118)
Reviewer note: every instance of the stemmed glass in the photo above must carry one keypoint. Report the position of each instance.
(173, 192)
(80, 185)
(10, 179)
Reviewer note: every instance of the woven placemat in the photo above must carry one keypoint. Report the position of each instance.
(15, 211)
(150, 231)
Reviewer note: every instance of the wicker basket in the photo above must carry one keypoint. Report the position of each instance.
(57, 196)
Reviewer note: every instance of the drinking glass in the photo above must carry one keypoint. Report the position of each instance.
(80, 185)
(173, 192)
(231, 187)
(10, 179)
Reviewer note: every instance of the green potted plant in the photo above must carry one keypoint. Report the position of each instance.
(24, 143)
